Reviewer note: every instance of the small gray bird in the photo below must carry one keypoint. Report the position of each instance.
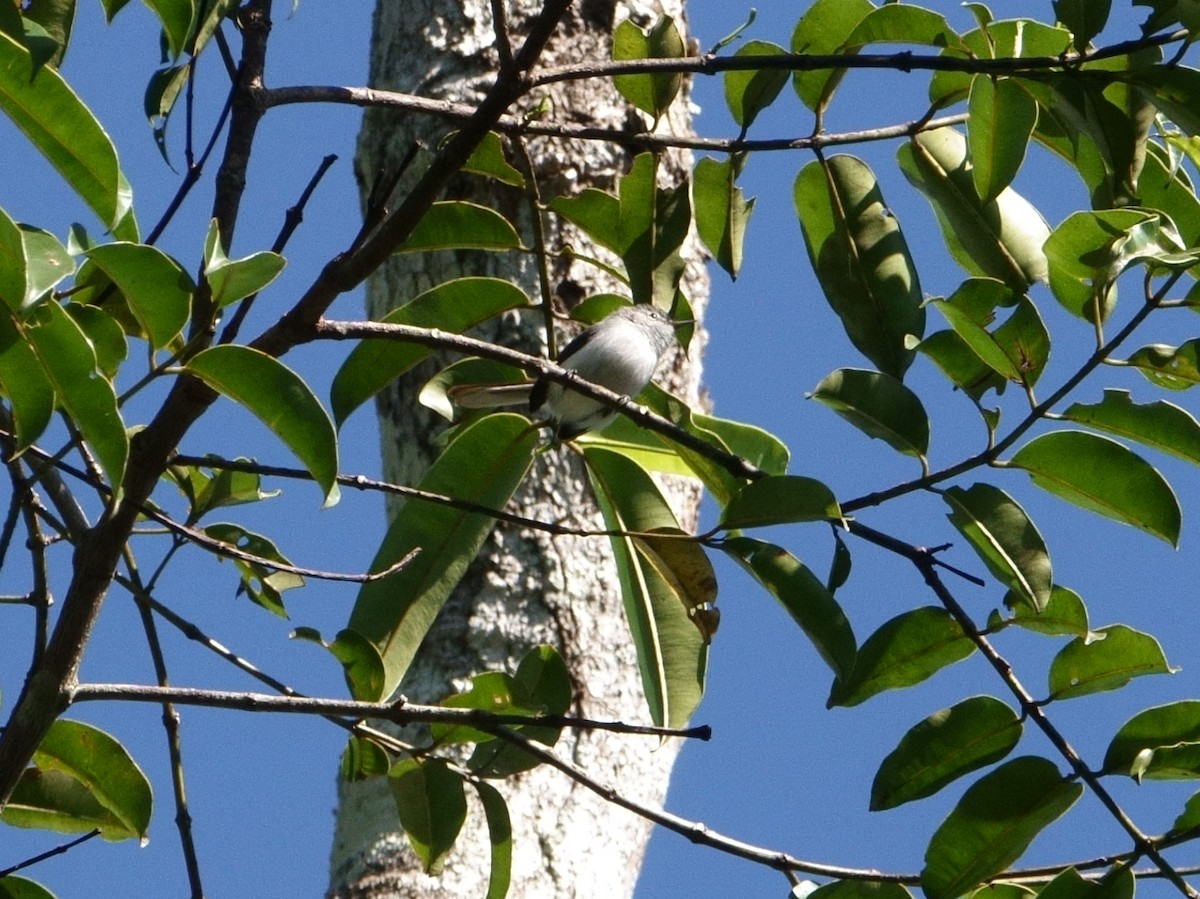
(620, 352)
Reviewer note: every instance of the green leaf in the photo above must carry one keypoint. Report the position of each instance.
(944, 747)
(106, 335)
(1102, 476)
(55, 18)
(1017, 350)
(781, 499)
(672, 651)
(1005, 539)
(488, 159)
(1069, 884)
(176, 17)
(26, 384)
(802, 595)
(217, 488)
(67, 358)
(459, 225)
(1085, 18)
(453, 306)
(650, 93)
(1106, 660)
(879, 406)
(1002, 119)
(157, 289)
(859, 889)
(363, 758)
(906, 650)
(993, 824)
(235, 279)
(823, 30)
(500, 838)
(1173, 368)
(722, 212)
(1161, 425)
(47, 263)
(904, 24)
(82, 778)
(361, 662)
(264, 584)
(1089, 250)
(749, 92)
(12, 264)
(1188, 820)
(1015, 37)
(1064, 613)
(485, 462)
(64, 130)
(680, 563)
(13, 887)
(1001, 239)
(281, 400)
(1151, 733)
(861, 259)
(432, 805)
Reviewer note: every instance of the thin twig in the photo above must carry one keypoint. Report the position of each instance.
(50, 853)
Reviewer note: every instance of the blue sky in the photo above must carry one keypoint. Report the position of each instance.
(781, 771)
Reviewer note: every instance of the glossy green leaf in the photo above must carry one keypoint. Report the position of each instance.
(1017, 349)
(82, 778)
(361, 662)
(903, 24)
(993, 824)
(432, 805)
(861, 259)
(88, 398)
(944, 747)
(157, 289)
(1015, 37)
(904, 651)
(491, 691)
(281, 400)
(1117, 883)
(210, 489)
(651, 94)
(681, 563)
(859, 889)
(1089, 250)
(1173, 368)
(1161, 425)
(263, 583)
(1106, 660)
(1063, 614)
(823, 30)
(1085, 18)
(781, 499)
(1174, 90)
(747, 93)
(64, 130)
(1102, 476)
(722, 212)
(27, 385)
(500, 839)
(1002, 119)
(459, 225)
(453, 306)
(1189, 818)
(1002, 239)
(47, 262)
(12, 264)
(879, 406)
(1155, 731)
(485, 462)
(802, 595)
(1005, 538)
(488, 159)
(14, 887)
(234, 279)
(106, 335)
(672, 652)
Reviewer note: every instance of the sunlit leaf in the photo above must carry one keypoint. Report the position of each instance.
(993, 824)
(749, 92)
(1005, 538)
(500, 839)
(1106, 660)
(1064, 613)
(1174, 368)
(1155, 731)
(944, 747)
(262, 582)
(1102, 476)
(234, 279)
(781, 499)
(904, 651)
(281, 400)
(1002, 119)
(1085, 18)
(1161, 425)
(879, 406)
(488, 159)
(722, 212)
(459, 225)
(823, 30)
(484, 463)
(650, 93)
(861, 259)
(802, 595)
(28, 387)
(157, 289)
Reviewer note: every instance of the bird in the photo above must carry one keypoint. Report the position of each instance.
(620, 352)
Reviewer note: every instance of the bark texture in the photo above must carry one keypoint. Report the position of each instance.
(526, 588)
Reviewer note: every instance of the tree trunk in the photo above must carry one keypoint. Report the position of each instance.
(526, 588)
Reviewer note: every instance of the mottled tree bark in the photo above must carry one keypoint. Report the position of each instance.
(526, 588)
